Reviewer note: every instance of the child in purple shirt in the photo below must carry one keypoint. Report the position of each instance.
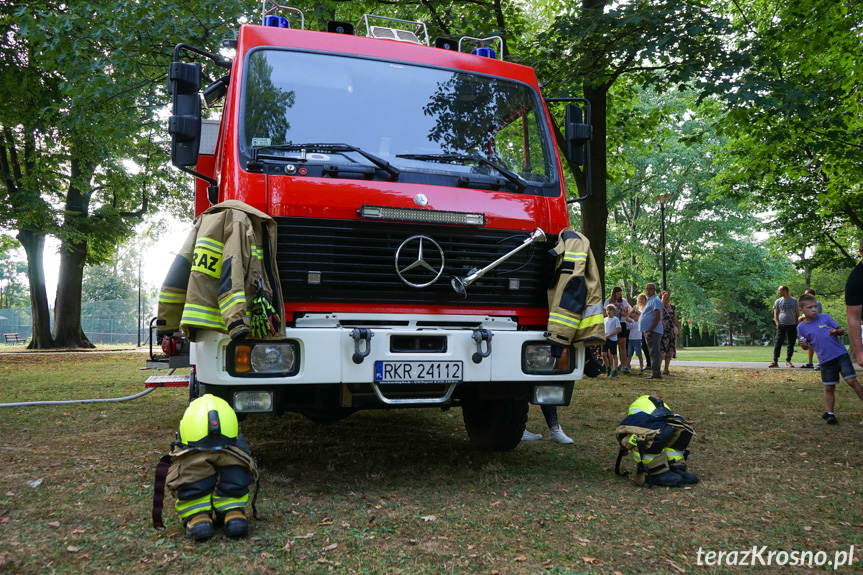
(820, 331)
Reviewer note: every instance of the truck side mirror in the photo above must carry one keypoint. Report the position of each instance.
(577, 134)
(184, 125)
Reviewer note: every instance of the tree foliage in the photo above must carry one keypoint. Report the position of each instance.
(794, 120)
(83, 151)
(13, 275)
(718, 272)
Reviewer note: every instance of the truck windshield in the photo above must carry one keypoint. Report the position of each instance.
(406, 115)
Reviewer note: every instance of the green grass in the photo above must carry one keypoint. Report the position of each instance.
(772, 474)
(758, 353)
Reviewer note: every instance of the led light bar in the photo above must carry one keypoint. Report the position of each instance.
(418, 215)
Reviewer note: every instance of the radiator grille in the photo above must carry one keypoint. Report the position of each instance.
(356, 261)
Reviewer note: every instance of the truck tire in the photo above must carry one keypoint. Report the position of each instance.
(495, 425)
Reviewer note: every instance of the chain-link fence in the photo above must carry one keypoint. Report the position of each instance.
(106, 322)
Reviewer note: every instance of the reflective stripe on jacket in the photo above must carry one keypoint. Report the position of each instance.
(212, 282)
(575, 296)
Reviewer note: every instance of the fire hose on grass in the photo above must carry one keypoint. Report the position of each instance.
(103, 400)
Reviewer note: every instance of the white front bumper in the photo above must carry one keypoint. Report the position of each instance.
(326, 350)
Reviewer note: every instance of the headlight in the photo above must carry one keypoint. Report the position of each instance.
(272, 357)
(538, 359)
(263, 358)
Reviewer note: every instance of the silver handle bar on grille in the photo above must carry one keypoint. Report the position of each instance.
(460, 284)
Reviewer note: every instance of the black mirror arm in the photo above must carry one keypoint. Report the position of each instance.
(587, 185)
(214, 57)
(559, 137)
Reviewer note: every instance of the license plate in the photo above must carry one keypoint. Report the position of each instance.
(440, 372)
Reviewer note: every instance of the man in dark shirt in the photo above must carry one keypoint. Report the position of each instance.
(854, 307)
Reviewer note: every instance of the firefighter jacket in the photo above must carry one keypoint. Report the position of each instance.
(575, 297)
(225, 262)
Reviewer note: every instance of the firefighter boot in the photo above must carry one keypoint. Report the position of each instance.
(199, 527)
(666, 478)
(235, 524)
(688, 477)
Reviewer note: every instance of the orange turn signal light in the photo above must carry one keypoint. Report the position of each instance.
(243, 358)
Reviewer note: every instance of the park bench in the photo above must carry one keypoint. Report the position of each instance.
(13, 338)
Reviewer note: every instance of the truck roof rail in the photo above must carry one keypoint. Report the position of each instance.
(399, 34)
(482, 49)
(270, 18)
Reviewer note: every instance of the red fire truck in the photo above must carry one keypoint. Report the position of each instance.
(416, 188)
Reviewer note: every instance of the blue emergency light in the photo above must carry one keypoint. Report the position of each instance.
(276, 21)
(484, 52)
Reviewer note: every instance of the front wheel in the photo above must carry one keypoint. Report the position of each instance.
(495, 425)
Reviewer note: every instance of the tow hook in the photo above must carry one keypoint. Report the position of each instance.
(359, 334)
(479, 336)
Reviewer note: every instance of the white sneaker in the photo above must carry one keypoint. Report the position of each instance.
(558, 436)
(528, 436)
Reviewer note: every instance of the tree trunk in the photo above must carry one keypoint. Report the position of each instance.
(594, 210)
(67, 308)
(73, 254)
(34, 243)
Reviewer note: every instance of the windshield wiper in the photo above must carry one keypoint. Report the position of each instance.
(519, 182)
(316, 147)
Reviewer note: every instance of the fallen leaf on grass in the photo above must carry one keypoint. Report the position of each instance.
(326, 521)
(495, 504)
(35, 483)
(590, 560)
(54, 524)
(807, 528)
(289, 546)
(72, 549)
(77, 531)
(265, 555)
(306, 536)
(428, 518)
(676, 566)
(520, 559)
(330, 547)
(4, 520)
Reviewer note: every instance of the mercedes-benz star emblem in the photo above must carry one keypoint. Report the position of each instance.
(411, 257)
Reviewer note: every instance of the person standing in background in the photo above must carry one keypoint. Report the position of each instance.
(622, 310)
(651, 326)
(670, 329)
(633, 347)
(640, 302)
(785, 318)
